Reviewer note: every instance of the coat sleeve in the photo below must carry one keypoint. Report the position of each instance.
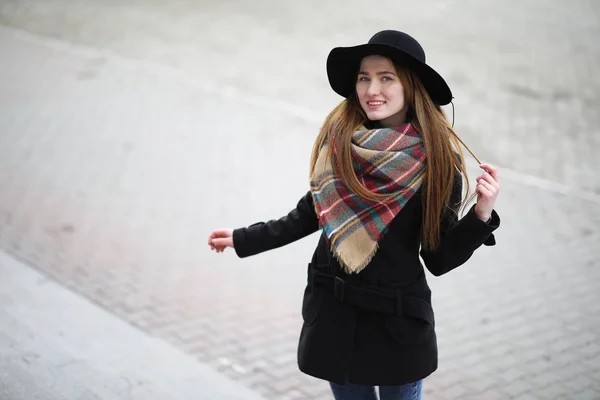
(459, 238)
(263, 236)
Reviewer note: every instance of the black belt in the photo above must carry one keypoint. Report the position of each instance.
(375, 299)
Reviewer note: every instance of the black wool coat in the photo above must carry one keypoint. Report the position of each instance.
(376, 327)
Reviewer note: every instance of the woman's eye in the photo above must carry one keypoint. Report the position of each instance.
(363, 79)
(386, 78)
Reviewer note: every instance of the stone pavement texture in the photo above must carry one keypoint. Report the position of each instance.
(56, 345)
(130, 130)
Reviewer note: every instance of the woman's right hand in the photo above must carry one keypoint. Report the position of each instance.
(220, 239)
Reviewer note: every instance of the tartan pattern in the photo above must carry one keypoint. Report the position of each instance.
(389, 161)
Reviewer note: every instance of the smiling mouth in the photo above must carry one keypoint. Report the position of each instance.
(375, 104)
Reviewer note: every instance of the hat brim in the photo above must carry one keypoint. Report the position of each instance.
(343, 64)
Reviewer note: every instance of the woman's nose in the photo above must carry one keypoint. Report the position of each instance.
(373, 88)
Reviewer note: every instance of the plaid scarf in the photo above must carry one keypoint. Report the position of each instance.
(388, 161)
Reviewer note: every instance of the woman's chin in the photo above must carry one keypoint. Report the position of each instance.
(375, 116)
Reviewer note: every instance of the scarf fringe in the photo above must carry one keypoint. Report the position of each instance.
(339, 256)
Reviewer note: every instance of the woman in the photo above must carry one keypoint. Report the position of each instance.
(386, 183)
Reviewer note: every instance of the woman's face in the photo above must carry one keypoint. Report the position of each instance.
(380, 92)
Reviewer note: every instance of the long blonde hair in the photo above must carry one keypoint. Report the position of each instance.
(444, 155)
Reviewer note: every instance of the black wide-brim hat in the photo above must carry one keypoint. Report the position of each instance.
(343, 64)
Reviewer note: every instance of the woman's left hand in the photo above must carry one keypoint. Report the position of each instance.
(487, 190)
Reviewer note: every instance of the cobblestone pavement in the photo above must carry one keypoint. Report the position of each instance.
(127, 132)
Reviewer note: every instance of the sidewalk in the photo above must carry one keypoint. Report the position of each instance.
(56, 345)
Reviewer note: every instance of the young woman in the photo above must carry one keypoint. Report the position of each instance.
(386, 185)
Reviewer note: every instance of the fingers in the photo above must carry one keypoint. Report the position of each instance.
(488, 183)
(219, 233)
(218, 249)
(485, 189)
(489, 178)
(485, 177)
(220, 239)
(490, 169)
(221, 242)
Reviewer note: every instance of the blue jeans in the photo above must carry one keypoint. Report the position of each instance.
(350, 391)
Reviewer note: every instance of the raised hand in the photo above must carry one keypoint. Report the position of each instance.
(488, 187)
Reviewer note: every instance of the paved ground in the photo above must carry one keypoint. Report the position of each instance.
(56, 345)
(130, 130)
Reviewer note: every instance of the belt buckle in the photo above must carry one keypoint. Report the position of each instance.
(339, 288)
